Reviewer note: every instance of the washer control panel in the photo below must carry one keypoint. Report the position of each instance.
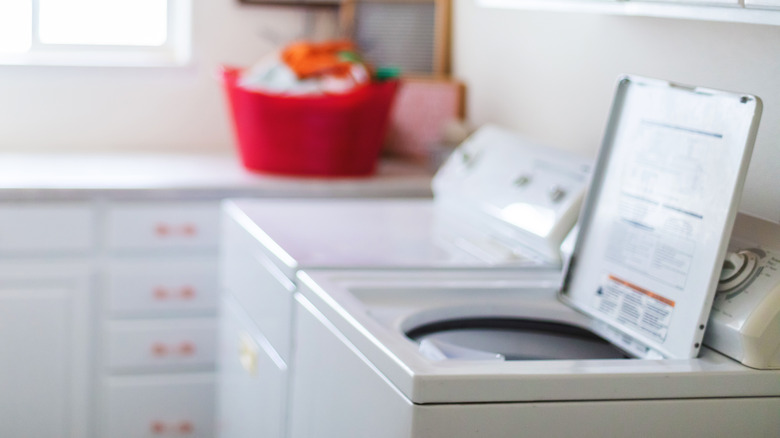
(745, 319)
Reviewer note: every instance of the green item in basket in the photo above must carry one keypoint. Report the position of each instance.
(386, 73)
(350, 56)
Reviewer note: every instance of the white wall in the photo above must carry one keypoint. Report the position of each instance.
(551, 75)
(58, 109)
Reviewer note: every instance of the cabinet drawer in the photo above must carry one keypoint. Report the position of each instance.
(46, 228)
(161, 345)
(159, 406)
(162, 287)
(176, 225)
(263, 292)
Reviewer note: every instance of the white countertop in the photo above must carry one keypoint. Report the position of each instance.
(73, 176)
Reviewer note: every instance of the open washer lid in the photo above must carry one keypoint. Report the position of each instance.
(656, 221)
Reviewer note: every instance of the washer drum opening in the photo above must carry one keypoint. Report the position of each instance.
(510, 339)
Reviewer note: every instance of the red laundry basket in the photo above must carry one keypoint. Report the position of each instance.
(324, 135)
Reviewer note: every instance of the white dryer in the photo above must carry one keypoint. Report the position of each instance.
(618, 352)
(499, 201)
(500, 204)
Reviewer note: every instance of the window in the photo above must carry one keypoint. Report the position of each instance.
(94, 32)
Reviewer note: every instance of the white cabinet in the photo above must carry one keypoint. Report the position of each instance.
(252, 387)
(49, 228)
(155, 286)
(109, 290)
(736, 11)
(80, 343)
(161, 345)
(44, 349)
(762, 4)
(255, 332)
(257, 284)
(157, 406)
(158, 319)
(144, 226)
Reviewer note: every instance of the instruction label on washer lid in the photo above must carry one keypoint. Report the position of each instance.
(634, 307)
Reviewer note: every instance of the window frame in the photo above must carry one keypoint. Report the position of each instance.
(176, 51)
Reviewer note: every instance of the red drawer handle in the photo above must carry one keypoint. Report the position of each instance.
(187, 293)
(160, 293)
(186, 427)
(189, 230)
(187, 348)
(159, 349)
(162, 229)
(157, 427)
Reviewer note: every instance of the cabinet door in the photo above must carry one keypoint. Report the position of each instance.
(252, 379)
(258, 285)
(43, 358)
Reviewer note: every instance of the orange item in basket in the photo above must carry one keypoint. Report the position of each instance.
(309, 59)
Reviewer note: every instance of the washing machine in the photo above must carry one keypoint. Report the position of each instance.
(406, 358)
(501, 205)
(615, 350)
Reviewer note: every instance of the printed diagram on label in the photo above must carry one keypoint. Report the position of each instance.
(664, 257)
(660, 204)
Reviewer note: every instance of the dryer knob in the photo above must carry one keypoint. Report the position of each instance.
(737, 268)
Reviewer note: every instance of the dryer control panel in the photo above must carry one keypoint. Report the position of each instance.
(745, 319)
(512, 194)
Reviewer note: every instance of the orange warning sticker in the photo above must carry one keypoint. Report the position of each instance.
(634, 307)
(643, 291)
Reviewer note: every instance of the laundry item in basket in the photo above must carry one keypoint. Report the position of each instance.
(308, 68)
